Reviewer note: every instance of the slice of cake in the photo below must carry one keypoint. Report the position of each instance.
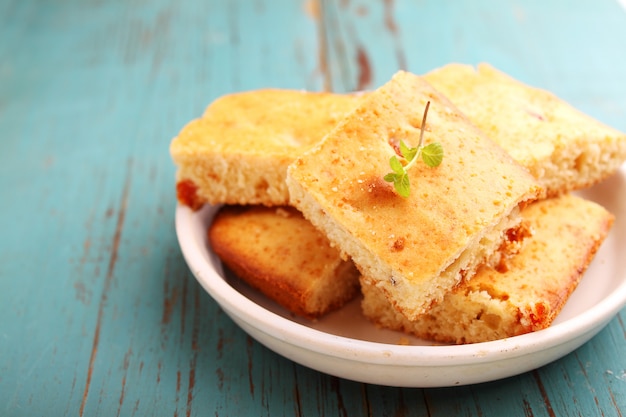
(525, 298)
(275, 250)
(562, 147)
(457, 215)
(239, 150)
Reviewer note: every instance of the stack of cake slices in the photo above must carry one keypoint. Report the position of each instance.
(488, 244)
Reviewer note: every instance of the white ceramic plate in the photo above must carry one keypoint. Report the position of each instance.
(346, 345)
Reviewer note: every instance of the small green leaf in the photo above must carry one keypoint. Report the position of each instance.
(402, 185)
(432, 154)
(396, 165)
(391, 177)
(407, 153)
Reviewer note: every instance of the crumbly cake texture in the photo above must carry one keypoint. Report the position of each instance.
(562, 147)
(526, 297)
(239, 150)
(278, 252)
(457, 215)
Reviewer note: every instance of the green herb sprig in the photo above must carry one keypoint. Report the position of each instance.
(432, 155)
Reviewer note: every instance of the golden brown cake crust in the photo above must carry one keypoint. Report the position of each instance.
(279, 253)
(562, 147)
(528, 296)
(239, 150)
(406, 244)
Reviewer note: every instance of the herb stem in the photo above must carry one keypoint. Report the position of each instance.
(419, 145)
(421, 140)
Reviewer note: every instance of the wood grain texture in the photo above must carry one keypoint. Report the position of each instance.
(99, 314)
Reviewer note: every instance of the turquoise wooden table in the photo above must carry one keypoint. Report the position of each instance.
(99, 314)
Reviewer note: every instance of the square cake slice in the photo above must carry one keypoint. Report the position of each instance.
(276, 251)
(524, 298)
(239, 150)
(456, 216)
(562, 147)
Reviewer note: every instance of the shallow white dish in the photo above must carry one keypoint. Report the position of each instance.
(346, 345)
